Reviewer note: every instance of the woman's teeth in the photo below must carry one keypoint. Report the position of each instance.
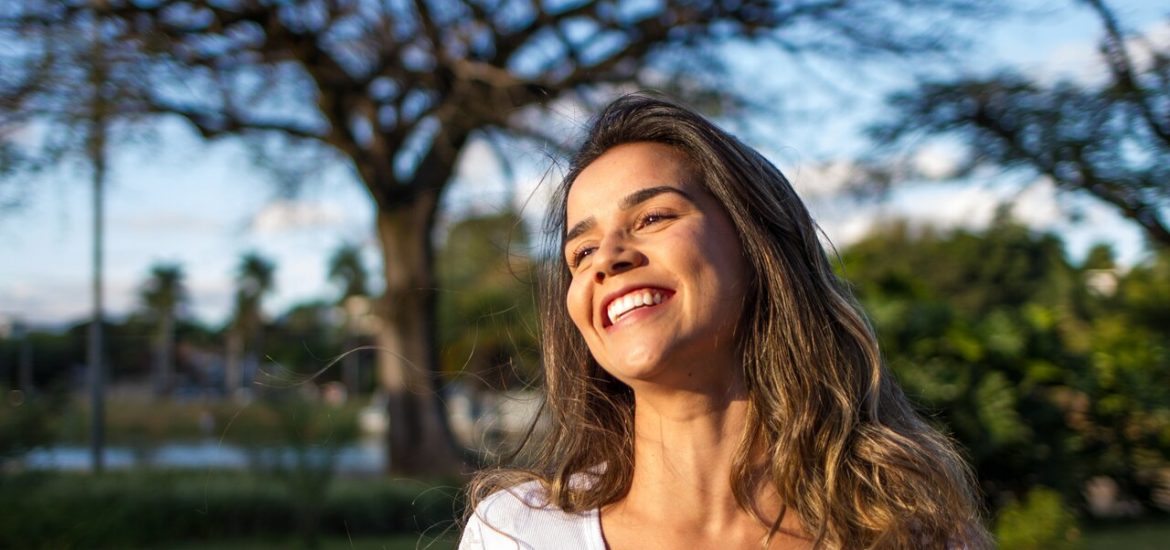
(631, 301)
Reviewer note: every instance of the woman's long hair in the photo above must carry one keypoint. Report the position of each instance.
(831, 430)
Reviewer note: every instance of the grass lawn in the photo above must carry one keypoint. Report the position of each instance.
(394, 542)
(1139, 536)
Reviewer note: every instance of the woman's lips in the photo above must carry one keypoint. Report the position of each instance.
(633, 300)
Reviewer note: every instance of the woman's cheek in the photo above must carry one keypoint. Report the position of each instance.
(578, 303)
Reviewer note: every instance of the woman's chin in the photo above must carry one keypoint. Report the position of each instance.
(652, 368)
(638, 364)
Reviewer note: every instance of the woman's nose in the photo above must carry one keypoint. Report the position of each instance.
(615, 255)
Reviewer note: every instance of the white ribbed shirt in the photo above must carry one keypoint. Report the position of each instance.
(520, 518)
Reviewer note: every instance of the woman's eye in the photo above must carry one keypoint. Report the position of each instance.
(580, 254)
(651, 218)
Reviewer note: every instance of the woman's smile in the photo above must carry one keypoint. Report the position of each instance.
(657, 272)
(621, 305)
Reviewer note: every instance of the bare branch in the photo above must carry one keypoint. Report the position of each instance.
(219, 124)
(1121, 65)
(430, 30)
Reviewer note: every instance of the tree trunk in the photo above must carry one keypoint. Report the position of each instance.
(419, 438)
(96, 348)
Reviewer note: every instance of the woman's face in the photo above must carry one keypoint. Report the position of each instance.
(658, 277)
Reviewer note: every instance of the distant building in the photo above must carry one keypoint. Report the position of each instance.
(1102, 281)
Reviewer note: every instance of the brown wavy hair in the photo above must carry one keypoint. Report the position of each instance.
(838, 440)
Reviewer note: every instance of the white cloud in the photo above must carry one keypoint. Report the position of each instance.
(937, 160)
(169, 221)
(821, 180)
(1037, 204)
(828, 179)
(949, 206)
(282, 216)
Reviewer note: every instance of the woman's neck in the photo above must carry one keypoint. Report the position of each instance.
(685, 444)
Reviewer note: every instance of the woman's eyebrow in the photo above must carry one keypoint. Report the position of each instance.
(633, 199)
(643, 195)
(581, 227)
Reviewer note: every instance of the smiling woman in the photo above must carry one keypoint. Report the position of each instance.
(710, 382)
(644, 228)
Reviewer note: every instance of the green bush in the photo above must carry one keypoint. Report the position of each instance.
(137, 509)
(146, 421)
(24, 422)
(1041, 521)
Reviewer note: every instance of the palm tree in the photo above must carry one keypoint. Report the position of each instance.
(346, 269)
(254, 280)
(162, 294)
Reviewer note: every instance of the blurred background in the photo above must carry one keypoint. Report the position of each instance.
(266, 267)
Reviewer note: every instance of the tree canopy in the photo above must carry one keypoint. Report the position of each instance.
(1108, 137)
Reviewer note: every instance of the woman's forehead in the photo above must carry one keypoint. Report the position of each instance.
(624, 170)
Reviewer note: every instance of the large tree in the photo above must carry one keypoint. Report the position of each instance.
(1108, 137)
(397, 88)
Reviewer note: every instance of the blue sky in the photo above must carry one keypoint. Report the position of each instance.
(176, 199)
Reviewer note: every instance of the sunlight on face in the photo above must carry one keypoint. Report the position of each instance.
(658, 275)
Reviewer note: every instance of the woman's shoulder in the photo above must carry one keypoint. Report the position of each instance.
(534, 494)
(522, 505)
(522, 516)
(525, 496)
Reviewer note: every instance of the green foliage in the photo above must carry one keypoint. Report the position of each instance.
(1040, 522)
(25, 422)
(144, 422)
(487, 313)
(1125, 422)
(164, 291)
(305, 462)
(305, 340)
(1129, 535)
(1043, 378)
(255, 278)
(127, 509)
(348, 272)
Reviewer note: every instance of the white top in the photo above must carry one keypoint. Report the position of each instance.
(520, 518)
